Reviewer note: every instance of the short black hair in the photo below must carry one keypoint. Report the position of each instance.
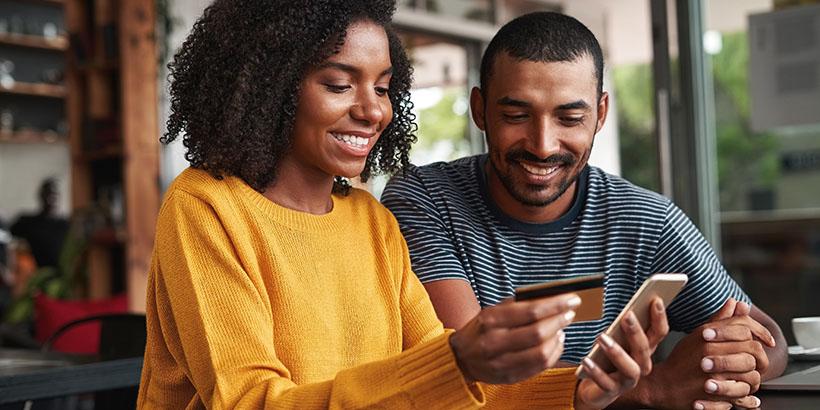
(235, 84)
(543, 37)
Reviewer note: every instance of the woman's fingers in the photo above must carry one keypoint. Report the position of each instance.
(711, 405)
(629, 371)
(659, 327)
(639, 347)
(597, 375)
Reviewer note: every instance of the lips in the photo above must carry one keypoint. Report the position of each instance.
(539, 170)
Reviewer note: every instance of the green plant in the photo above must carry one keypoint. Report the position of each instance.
(55, 281)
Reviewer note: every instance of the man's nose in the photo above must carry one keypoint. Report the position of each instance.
(544, 140)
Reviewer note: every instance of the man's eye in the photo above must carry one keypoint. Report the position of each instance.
(572, 120)
(337, 88)
(515, 117)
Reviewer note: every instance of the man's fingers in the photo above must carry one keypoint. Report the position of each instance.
(751, 378)
(726, 311)
(659, 327)
(734, 363)
(748, 402)
(711, 405)
(729, 333)
(726, 388)
(742, 309)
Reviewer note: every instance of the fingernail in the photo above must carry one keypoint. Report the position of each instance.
(711, 386)
(698, 406)
(630, 319)
(709, 334)
(608, 342)
(589, 363)
(569, 315)
(773, 341)
(562, 336)
(756, 401)
(659, 305)
(707, 364)
(574, 301)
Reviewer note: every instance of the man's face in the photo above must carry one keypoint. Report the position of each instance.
(540, 120)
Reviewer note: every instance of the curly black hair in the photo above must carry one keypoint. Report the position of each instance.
(235, 84)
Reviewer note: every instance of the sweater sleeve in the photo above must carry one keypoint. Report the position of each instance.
(217, 325)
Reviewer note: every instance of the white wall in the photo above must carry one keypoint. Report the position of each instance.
(172, 157)
(23, 167)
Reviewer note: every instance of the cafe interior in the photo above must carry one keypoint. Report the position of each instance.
(715, 104)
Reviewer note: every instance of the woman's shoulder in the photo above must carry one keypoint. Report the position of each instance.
(200, 184)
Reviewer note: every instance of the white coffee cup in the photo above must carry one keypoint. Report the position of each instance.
(807, 331)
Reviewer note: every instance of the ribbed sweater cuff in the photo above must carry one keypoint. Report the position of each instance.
(431, 376)
(551, 389)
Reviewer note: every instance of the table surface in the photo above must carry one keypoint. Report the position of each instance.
(30, 374)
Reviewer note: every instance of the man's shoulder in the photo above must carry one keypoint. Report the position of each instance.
(440, 176)
(613, 189)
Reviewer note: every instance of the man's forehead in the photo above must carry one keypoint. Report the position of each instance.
(517, 78)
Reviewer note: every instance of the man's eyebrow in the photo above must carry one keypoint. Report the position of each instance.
(575, 105)
(513, 102)
(350, 69)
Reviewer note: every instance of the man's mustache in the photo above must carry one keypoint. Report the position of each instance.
(552, 160)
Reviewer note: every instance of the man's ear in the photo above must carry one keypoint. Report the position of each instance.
(477, 107)
(603, 109)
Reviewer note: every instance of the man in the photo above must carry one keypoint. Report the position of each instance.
(44, 231)
(532, 210)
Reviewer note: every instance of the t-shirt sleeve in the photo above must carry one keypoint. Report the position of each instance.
(429, 236)
(683, 249)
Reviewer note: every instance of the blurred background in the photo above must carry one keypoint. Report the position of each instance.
(716, 104)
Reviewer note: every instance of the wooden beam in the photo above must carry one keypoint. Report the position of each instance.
(140, 140)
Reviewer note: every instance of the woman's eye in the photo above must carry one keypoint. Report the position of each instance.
(381, 91)
(338, 89)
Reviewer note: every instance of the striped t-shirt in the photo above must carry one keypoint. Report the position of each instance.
(455, 231)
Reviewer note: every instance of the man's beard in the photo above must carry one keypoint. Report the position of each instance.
(519, 192)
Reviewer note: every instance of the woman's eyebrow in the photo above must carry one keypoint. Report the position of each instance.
(351, 69)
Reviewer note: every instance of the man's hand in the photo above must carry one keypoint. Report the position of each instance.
(601, 389)
(717, 365)
(511, 342)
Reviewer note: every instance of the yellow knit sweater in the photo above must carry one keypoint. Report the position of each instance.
(253, 305)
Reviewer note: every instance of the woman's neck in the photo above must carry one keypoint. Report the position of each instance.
(301, 189)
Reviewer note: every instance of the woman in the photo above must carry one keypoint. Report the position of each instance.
(275, 284)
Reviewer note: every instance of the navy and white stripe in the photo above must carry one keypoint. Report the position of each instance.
(455, 231)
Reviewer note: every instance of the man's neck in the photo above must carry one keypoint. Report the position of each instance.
(524, 213)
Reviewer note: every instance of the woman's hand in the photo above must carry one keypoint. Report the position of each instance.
(600, 389)
(513, 341)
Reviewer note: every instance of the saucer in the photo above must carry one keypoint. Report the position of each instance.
(799, 353)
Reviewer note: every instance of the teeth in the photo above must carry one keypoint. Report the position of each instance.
(538, 170)
(353, 140)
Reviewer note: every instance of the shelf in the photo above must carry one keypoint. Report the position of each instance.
(49, 2)
(25, 40)
(35, 89)
(32, 137)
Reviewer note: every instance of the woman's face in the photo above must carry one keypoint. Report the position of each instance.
(343, 106)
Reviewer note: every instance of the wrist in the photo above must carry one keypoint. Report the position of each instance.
(468, 378)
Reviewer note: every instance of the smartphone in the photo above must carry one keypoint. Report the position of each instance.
(664, 285)
(590, 288)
